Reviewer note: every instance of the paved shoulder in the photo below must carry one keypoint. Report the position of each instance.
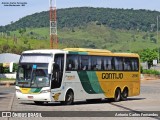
(6, 98)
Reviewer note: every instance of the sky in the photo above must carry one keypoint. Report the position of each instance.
(14, 13)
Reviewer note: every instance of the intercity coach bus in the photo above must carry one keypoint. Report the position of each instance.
(74, 74)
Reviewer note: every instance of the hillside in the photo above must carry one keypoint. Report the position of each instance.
(128, 19)
(113, 29)
(90, 36)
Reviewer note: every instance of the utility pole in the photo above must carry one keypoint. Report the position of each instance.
(53, 25)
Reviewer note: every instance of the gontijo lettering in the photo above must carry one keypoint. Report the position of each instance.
(112, 75)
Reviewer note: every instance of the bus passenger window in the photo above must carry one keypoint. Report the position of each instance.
(84, 62)
(108, 63)
(102, 65)
(119, 63)
(69, 66)
(84, 68)
(112, 64)
(72, 62)
(99, 62)
(127, 64)
(93, 63)
(134, 64)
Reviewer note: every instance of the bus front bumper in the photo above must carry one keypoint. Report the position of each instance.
(34, 97)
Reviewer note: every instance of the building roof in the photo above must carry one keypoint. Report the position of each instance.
(9, 57)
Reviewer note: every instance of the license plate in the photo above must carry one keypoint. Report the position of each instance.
(30, 97)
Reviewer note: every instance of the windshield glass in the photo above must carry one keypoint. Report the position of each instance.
(33, 75)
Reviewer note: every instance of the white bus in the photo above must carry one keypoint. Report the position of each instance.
(76, 74)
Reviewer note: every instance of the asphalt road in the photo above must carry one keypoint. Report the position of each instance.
(148, 100)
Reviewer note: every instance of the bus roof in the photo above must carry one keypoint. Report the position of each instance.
(44, 51)
(99, 52)
(87, 50)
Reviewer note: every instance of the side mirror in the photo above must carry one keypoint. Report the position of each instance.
(50, 67)
(11, 67)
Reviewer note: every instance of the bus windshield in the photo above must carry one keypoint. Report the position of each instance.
(33, 75)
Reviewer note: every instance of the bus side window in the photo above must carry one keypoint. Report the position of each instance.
(69, 66)
(112, 64)
(134, 64)
(99, 63)
(72, 62)
(84, 62)
(108, 65)
(102, 64)
(93, 63)
(127, 64)
(118, 63)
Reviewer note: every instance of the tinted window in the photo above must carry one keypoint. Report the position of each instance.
(109, 63)
(127, 64)
(134, 64)
(84, 62)
(72, 62)
(96, 63)
(118, 63)
(59, 61)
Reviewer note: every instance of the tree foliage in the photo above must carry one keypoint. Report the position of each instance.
(148, 55)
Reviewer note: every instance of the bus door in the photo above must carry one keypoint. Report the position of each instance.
(58, 68)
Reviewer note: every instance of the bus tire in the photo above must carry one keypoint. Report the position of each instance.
(117, 95)
(124, 94)
(69, 99)
(38, 102)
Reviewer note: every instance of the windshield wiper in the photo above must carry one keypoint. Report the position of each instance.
(36, 82)
(33, 78)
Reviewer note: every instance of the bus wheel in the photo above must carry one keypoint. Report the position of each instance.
(117, 95)
(69, 99)
(38, 102)
(124, 94)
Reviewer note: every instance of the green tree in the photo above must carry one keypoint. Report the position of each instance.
(148, 55)
(5, 48)
(127, 19)
(22, 31)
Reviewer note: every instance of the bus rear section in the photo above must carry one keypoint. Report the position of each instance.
(104, 74)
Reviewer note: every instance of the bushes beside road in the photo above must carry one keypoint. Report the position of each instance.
(150, 74)
(150, 71)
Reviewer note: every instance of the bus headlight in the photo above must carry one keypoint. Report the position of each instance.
(19, 91)
(45, 91)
